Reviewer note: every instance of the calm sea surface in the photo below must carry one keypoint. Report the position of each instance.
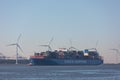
(24, 72)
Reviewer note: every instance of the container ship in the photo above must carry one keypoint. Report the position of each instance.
(67, 57)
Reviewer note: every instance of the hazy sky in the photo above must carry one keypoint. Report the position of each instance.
(84, 22)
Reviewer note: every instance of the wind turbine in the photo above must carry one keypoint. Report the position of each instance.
(17, 47)
(95, 46)
(71, 47)
(117, 51)
(48, 45)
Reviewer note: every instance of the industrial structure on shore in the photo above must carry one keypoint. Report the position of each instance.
(12, 60)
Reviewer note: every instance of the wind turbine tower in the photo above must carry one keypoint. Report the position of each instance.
(17, 47)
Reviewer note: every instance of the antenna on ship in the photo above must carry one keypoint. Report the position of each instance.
(48, 45)
(17, 47)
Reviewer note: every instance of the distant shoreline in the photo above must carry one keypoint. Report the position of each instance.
(26, 61)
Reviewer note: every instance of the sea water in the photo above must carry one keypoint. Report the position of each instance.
(24, 72)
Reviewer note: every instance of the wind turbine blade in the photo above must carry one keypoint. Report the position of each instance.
(70, 43)
(44, 45)
(19, 47)
(113, 49)
(96, 44)
(50, 41)
(49, 48)
(12, 44)
(18, 38)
